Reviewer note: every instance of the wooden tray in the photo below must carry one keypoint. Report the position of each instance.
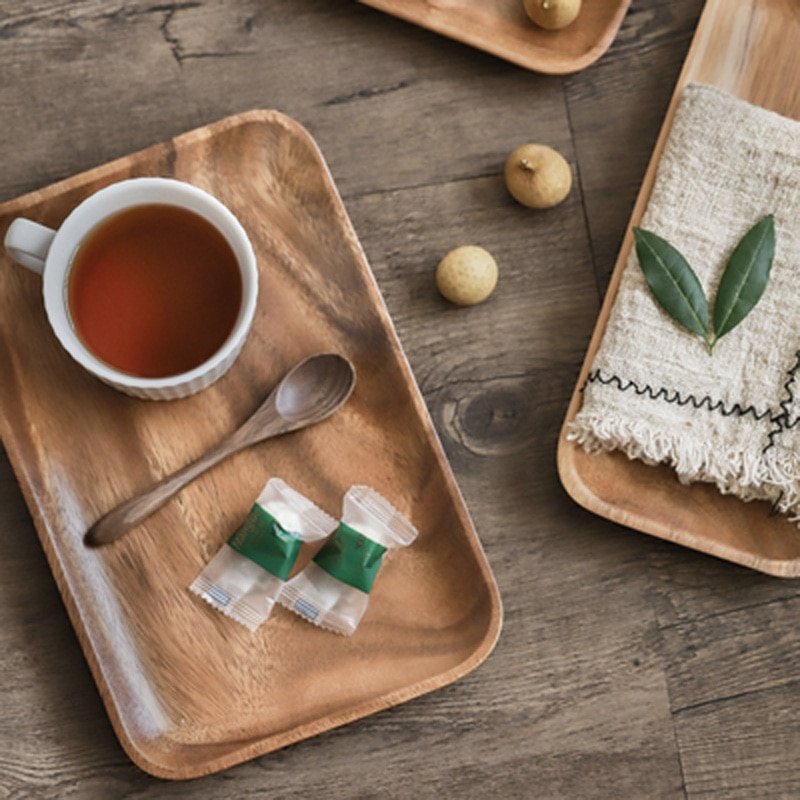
(502, 27)
(751, 49)
(188, 691)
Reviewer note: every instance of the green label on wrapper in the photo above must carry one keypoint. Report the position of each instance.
(262, 539)
(351, 557)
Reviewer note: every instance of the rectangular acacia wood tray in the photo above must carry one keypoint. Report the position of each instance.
(502, 27)
(751, 49)
(188, 690)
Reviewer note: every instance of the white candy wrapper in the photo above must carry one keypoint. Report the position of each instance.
(244, 578)
(333, 590)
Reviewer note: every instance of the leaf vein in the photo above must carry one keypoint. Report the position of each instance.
(677, 285)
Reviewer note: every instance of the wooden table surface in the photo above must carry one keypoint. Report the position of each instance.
(627, 667)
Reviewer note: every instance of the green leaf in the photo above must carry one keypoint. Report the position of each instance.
(745, 277)
(672, 281)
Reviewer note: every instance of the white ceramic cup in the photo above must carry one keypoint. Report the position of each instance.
(50, 253)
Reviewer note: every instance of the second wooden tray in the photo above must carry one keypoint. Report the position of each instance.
(188, 690)
(752, 50)
(502, 27)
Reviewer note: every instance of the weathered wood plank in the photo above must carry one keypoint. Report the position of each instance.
(417, 108)
(743, 747)
(728, 641)
(616, 110)
(725, 655)
(687, 588)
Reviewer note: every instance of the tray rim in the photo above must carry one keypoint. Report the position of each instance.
(275, 741)
(562, 66)
(569, 474)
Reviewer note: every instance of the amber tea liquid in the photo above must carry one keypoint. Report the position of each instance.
(154, 290)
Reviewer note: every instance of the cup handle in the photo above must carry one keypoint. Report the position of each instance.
(27, 242)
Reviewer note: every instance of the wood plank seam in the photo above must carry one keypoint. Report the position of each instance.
(716, 701)
(774, 601)
(581, 194)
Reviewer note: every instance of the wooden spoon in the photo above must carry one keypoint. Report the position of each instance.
(308, 393)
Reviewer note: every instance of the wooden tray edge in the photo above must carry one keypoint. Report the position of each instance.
(278, 741)
(568, 472)
(561, 66)
(572, 481)
(284, 738)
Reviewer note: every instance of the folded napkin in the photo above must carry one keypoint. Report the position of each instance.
(654, 392)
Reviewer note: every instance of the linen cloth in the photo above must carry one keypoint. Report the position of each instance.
(654, 392)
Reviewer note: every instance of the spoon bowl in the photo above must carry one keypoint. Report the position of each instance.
(309, 393)
(315, 388)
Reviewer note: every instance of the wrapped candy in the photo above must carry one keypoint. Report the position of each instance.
(333, 590)
(245, 577)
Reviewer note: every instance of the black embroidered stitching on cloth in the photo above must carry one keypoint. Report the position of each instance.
(781, 421)
(676, 398)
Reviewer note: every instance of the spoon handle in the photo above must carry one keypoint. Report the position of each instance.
(127, 515)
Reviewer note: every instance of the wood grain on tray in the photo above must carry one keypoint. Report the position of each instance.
(188, 691)
(751, 49)
(502, 27)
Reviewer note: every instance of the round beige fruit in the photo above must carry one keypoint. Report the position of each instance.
(553, 14)
(467, 275)
(537, 176)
